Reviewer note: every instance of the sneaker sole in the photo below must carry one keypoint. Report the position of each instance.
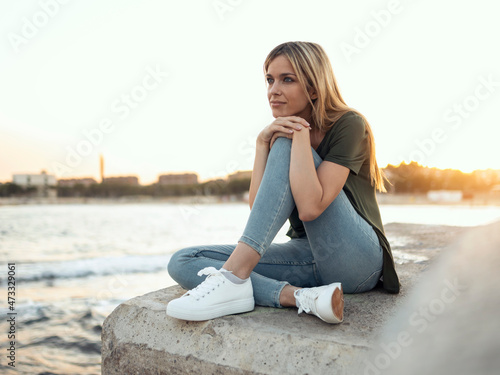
(338, 304)
(228, 308)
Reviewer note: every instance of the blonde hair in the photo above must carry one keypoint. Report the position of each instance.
(314, 71)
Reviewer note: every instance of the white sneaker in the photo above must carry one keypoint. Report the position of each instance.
(213, 298)
(326, 302)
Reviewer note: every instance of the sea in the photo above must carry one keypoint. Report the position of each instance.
(72, 264)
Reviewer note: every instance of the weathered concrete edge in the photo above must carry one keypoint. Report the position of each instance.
(140, 330)
(171, 364)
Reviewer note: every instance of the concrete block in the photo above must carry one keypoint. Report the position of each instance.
(449, 324)
(139, 338)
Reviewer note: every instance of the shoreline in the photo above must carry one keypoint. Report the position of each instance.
(479, 200)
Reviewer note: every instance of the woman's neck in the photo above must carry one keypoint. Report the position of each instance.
(316, 137)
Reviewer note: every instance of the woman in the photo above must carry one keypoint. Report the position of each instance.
(314, 165)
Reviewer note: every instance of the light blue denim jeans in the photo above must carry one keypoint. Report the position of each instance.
(340, 245)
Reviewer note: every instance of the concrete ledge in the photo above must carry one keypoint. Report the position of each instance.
(138, 337)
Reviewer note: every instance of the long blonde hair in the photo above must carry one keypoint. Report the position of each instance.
(314, 70)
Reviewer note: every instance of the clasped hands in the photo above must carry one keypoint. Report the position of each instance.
(283, 127)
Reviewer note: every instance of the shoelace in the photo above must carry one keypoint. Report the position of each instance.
(306, 298)
(213, 280)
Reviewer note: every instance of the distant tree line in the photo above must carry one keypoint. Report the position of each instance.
(414, 178)
(10, 189)
(215, 187)
(404, 178)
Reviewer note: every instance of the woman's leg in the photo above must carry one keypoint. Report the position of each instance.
(342, 246)
(283, 263)
(272, 206)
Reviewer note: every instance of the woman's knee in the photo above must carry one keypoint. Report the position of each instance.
(281, 143)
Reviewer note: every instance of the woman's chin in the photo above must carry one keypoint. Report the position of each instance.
(278, 113)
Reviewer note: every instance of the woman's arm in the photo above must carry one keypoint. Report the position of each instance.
(313, 190)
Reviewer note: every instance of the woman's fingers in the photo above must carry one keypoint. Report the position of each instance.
(284, 129)
(292, 121)
(295, 123)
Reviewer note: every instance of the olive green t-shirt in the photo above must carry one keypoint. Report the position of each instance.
(346, 143)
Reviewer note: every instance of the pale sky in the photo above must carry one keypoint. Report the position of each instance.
(167, 86)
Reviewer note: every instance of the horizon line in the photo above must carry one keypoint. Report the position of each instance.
(227, 175)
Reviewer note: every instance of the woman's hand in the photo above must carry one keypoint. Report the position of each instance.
(281, 127)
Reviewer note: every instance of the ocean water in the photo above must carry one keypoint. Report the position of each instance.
(75, 263)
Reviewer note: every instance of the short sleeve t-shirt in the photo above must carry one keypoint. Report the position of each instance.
(346, 143)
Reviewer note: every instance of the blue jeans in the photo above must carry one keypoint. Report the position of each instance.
(340, 245)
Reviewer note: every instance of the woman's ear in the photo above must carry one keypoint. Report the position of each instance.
(312, 94)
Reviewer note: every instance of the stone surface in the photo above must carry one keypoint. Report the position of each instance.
(138, 337)
(450, 322)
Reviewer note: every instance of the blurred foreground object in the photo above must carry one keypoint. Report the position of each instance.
(449, 323)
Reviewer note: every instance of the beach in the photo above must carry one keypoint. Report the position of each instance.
(76, 262)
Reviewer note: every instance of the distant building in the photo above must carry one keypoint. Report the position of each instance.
(122, 180)
(34, 180)
(178, 179)
(70, 182)
(239, 175)
(43, 183)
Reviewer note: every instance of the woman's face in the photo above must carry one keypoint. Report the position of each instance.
(284, 92)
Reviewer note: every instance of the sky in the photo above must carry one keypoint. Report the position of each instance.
(170, 86)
